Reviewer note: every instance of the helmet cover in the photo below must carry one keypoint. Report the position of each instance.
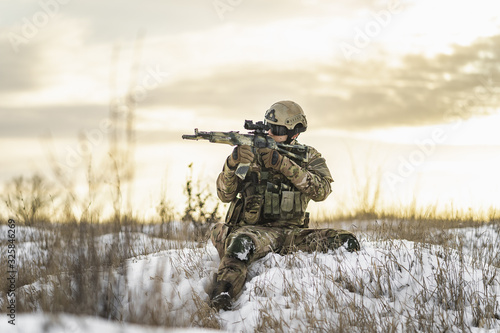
(286, 113)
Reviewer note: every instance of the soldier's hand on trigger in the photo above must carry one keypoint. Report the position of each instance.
(240, 154)
(271, 158)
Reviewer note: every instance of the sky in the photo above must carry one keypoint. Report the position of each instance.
(401, 93)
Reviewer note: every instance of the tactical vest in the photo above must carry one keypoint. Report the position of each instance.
(267, 197)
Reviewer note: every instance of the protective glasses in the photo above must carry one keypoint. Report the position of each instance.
(278, 129)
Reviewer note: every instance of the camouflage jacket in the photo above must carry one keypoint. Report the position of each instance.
(269, 197)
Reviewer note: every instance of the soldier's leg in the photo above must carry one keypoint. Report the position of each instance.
(232, 271)
(322, 240)
(243, 246)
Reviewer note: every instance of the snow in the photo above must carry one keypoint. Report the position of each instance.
(389, 284)
(40, 323)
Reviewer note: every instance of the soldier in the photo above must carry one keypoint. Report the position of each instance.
(268, 208)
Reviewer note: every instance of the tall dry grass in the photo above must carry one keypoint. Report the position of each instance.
(82, 269)
(369, 206)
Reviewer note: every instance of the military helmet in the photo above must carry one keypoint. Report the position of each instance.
(288, 114)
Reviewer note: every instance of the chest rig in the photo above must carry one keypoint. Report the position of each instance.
(266, 197)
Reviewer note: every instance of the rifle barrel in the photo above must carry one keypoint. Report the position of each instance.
(190, 137)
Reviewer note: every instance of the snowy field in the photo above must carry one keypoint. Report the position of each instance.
(390, 285)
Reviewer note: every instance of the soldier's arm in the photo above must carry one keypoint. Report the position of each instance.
(313, 180)
(227, 184)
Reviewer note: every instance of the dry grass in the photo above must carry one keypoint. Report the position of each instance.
(83, 268)
(370, 206)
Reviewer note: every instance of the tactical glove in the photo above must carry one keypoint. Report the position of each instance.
(241, 154)
(271, 158)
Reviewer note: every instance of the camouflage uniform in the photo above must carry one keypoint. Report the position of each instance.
(268, 214)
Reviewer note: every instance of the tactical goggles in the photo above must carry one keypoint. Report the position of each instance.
(278, 129)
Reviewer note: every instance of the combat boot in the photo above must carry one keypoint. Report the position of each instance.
(352, 244)
(346, 239)
(220, 297)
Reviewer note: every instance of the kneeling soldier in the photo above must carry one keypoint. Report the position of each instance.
(268, 208)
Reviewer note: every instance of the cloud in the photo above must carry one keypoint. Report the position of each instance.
(61, 121)
(352, 95)
(18, 71)
(346, 95)
(36, 61)
(118, 17)
(237, 72)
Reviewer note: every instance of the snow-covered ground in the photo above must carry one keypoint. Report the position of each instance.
(390, 285)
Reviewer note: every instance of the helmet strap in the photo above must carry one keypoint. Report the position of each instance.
(291, 136)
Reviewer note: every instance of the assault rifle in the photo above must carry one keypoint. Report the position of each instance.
(258, 138)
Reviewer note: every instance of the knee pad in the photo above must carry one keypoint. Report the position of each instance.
(241, 247)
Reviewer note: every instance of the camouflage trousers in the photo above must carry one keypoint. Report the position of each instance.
(239, 246)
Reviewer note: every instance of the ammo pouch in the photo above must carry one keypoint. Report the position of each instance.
(257, 204)
(246, 207)
(282, 203)
(252, 202)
